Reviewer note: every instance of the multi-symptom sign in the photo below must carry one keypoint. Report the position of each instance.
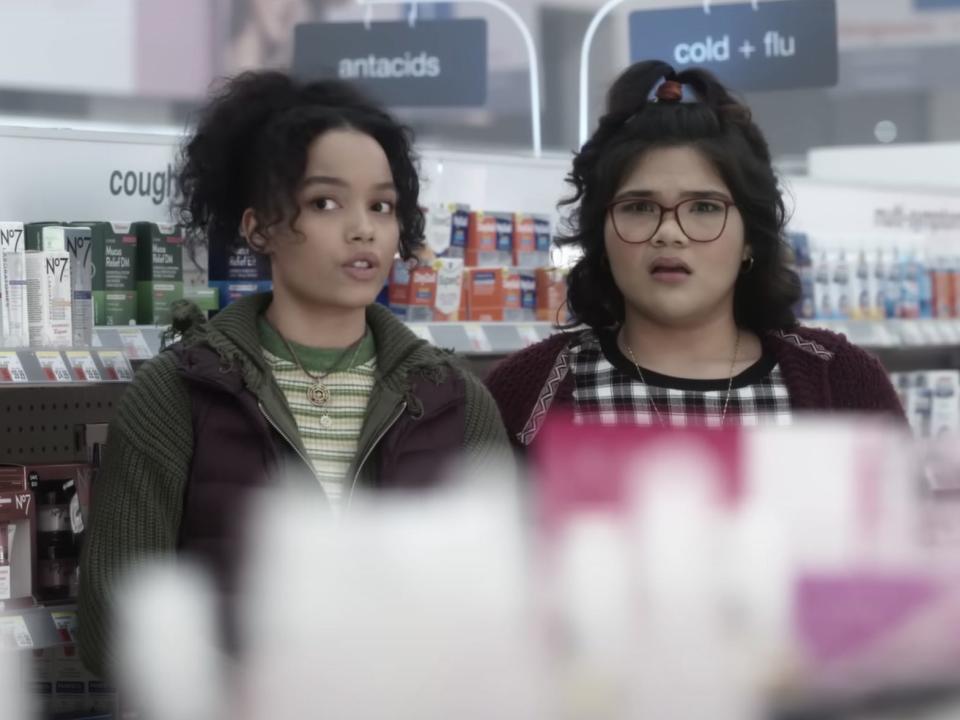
(433, 63)
(776, 45)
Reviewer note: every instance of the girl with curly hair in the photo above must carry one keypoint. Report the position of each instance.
(684, 285)
(314, 385)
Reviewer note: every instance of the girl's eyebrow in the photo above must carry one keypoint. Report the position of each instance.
(341, 183)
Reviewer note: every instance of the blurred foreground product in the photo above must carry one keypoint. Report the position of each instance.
(815, 547)
(680, 574)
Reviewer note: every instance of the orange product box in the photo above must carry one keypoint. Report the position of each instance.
(955, 288)
(490, 240)
(485, 291)
(531, 241)
(942, 282)
(551, 295)
(422, 294)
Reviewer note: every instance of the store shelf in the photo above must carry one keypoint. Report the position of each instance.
(63, 367)
(469, 338)
(892, 334)
(38, 627)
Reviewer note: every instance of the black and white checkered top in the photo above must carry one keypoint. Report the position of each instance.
(608, 390)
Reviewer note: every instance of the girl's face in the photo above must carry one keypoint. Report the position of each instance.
(672, 280)
(347, 232)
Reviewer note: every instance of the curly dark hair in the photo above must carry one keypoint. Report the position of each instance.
(722, 129)
(250, 150)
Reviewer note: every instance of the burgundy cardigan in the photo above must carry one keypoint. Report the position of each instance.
(822, 371)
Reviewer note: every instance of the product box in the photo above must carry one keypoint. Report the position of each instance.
(449, 295)
(229, 291)
(531, 241)
(15, 330)
(893, 293)
(159, 271)
(17, 548)
(843, 290)
(945, 402)
(70, 679)
(955, 286)
(448, 227)
(910, 290)
(942, 284)
(238, 262)
(114, 272)
(823, 286)
(398, 289)
(207, 299)
(49, 299)
(13, 478)
(920, 404)
(421, 294)
(33, 233)
(485, 289)
(38, 670)
(520, 296)
(551, 295)
(490, 240)
(78, 242)
(924, 285)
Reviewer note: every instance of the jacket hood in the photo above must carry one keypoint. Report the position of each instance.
(233, 334)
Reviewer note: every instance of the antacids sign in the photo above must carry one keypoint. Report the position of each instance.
(433, 63)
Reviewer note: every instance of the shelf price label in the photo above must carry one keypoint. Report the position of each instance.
(11, 369)
(14, 633)
(84, 369)
(66, 624)
(478, 339)
(528, 334)
(53, 366)
(134, 344)
(422, 332)
(116, 366)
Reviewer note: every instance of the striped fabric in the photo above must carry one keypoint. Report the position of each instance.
(330, 433)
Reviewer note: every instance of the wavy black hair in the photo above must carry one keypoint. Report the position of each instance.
(249, 150)
(722, 129)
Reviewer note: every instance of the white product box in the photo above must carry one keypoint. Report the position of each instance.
(15, 330)
(449, 288)
(48, 290)
(945, 407)
(78, 242)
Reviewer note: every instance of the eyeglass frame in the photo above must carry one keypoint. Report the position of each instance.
(664, 210)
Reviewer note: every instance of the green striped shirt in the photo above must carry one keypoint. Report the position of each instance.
(330, 433)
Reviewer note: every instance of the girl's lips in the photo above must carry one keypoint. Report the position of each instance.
(361, 274)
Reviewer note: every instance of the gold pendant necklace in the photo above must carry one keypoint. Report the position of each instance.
(652, 402)
(319, 394)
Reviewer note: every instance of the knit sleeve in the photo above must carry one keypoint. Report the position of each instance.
(860, 382)
(137, 499)
(485, 439)
(517, 383)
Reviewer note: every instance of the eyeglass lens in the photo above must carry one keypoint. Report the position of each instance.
(701, 220)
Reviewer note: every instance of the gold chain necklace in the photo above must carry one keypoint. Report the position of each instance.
(653, 404)
(319, 394)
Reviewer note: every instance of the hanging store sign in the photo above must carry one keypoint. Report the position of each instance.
(776, 45)
(434, 63)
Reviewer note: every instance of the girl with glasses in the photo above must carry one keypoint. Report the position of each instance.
(683, 291)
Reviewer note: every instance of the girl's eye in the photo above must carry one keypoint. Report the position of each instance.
(325, 204)
(384, 207)
(707, 206)
(640, 207)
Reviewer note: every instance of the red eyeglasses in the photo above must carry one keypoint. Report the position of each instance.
(637, 220)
